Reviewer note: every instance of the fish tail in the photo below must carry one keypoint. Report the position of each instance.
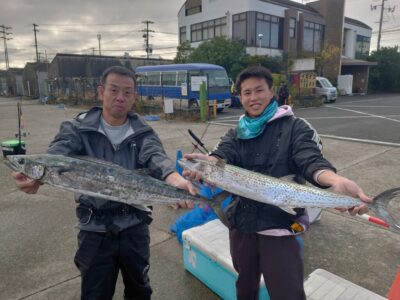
(380, 207)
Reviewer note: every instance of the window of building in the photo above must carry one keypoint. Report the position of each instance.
(362, 46)
(193, 10)
(182, 34)
(313, 36)
(268, 31)
(195, 32)
(292, 28)
(208, 30)
(239, 29)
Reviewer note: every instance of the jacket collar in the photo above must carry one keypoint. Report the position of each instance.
(90, 120)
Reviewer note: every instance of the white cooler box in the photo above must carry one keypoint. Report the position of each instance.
(206, 255)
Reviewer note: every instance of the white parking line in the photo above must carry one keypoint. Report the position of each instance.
(359, 140)
(363, 113)
(370, 106)
(347, 117)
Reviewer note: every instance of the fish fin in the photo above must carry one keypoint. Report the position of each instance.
(62, 170)
(289, 210)
(288, 178)
(96, 160)
(221, 163)
(297, 178)
(143, 171)
(216, 202)
(380, 207)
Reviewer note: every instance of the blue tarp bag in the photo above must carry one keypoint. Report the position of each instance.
(198, 215)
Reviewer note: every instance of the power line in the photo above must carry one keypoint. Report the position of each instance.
(146, 37)
(87, 24)
(99, 38)
(5, 33)
(389, 9)
(35, 30)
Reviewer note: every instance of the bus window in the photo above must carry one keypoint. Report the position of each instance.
(169, 78)
(217, 78)
(153, 78)
(182, 77)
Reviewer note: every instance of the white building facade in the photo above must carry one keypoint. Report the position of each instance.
(274, 27)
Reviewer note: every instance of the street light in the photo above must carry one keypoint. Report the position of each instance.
(260, 36)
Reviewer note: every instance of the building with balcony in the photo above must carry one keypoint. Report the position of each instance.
(274, 27)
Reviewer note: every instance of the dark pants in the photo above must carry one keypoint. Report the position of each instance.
(100, 256)
(277, 258)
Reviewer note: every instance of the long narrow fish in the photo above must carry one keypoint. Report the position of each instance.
(97, 178)
(102, 179)
(287, 195)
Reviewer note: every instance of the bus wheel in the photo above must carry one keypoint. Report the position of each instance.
(193, 104)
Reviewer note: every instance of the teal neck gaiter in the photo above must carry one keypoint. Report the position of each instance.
(249, 128)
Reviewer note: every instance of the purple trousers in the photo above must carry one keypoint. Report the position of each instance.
(278, 259)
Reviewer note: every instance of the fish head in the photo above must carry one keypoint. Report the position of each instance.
(26, 165)
(201, 166)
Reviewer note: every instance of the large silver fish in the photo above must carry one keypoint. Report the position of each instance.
(101, 179)
(287, 195)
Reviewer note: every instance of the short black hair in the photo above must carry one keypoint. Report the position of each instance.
(119, 70)
(253, 71)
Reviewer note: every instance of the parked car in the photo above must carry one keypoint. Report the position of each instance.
(325, 90)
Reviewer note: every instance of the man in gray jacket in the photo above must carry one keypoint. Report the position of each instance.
(113, 236)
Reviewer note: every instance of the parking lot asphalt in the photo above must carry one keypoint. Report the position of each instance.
(38, 238)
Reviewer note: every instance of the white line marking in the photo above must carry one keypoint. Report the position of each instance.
(363, 113)
(343, 138)
(370, 106)
(360, 140)
(347, 117)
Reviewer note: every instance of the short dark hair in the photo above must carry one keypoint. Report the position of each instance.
(119, 70)
(253, 71)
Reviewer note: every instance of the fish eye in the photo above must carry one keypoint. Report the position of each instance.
(21, 161)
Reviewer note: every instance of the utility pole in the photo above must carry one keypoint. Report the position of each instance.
(35, 30)
(93, 48)
(5, 32)
(389, 9)
(146, 36)
(99, 38)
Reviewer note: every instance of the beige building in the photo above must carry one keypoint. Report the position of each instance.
(275, 27)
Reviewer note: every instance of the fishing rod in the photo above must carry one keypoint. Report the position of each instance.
(198, 141)
(374, 220)
(195, 146)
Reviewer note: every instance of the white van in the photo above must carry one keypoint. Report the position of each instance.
(325, 90)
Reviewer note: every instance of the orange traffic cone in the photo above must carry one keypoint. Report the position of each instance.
(394, 292)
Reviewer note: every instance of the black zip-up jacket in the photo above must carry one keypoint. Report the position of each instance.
(142, 149)
(287, 146)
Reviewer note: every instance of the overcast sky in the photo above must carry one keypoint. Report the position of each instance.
(72, 26)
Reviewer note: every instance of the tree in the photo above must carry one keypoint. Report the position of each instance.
(327, 57)
(230, 54)
(221, 51)
(385, 77)
(184, 50)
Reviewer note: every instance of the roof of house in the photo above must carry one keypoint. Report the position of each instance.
(15, 70)
(347, 61)
(77, 65)
(356, 22)
(294, 4)
(37, 66)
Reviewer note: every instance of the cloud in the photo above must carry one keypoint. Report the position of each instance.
(72, 27)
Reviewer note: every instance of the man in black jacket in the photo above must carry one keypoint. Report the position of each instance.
(113, 236)
(283, 94)
(270, 140)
